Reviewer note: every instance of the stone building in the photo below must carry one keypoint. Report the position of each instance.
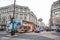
(55, 14)
(21, 12)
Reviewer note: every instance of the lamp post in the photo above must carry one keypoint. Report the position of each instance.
(14, 8)
(12, 21)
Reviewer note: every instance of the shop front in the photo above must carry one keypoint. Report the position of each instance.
(28, 26)
(3, 27)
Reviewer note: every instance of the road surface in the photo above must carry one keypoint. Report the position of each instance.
(30, 36)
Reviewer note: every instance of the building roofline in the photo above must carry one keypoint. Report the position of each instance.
(12, 5)
(55, 3)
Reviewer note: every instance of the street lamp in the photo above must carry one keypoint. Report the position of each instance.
(12, 21)
(14, 8)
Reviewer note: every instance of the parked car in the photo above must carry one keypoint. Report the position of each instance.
(53, 28)
(58, 29)
(41, 29)
(37, 30)
(47, 29)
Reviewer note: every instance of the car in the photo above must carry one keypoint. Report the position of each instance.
(41, 29)
(58, 29)
(37, 30)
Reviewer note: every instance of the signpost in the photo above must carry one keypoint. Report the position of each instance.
(12, 21)
(40, 19)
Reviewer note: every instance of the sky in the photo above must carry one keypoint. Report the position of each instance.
(41, 8)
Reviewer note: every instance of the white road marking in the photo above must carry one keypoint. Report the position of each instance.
(13, 35)
(5, 37)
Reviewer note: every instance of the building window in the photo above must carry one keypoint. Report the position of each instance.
(5, 10)
(2, 10)
(56, 14)
(21, 16)
(21, 9)
(0, 17)
(18, 24)
(25, 16)
(58, 21)
(9, 17)
(16, 15)
(9, 9)
(17, 9)
(4, 19)
(25, 9)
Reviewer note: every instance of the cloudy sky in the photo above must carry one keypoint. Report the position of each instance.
(41, 8)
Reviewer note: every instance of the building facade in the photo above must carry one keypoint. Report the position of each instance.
(21, 13)
(55, 14)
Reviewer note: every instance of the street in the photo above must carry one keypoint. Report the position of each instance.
(30, 17)
(31, 36)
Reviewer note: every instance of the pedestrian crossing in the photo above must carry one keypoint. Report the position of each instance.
(4, 38)
(8, 37)
(11, 36)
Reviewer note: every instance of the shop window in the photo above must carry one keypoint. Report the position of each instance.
(19, 24)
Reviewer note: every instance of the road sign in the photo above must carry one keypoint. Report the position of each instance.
(40, 19)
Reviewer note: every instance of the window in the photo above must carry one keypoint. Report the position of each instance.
(19, 24)
(17, 9)
(0, 17)
(9, 9)
(58, 21)
(57, 13)
(5, 9)
(25, 9)
(1, 10)
(9, 17)
(4, 18)
(16, 15)
(21, 16)
(21, 9)
(25, 16)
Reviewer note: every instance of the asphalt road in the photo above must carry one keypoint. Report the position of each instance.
(30, 36)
